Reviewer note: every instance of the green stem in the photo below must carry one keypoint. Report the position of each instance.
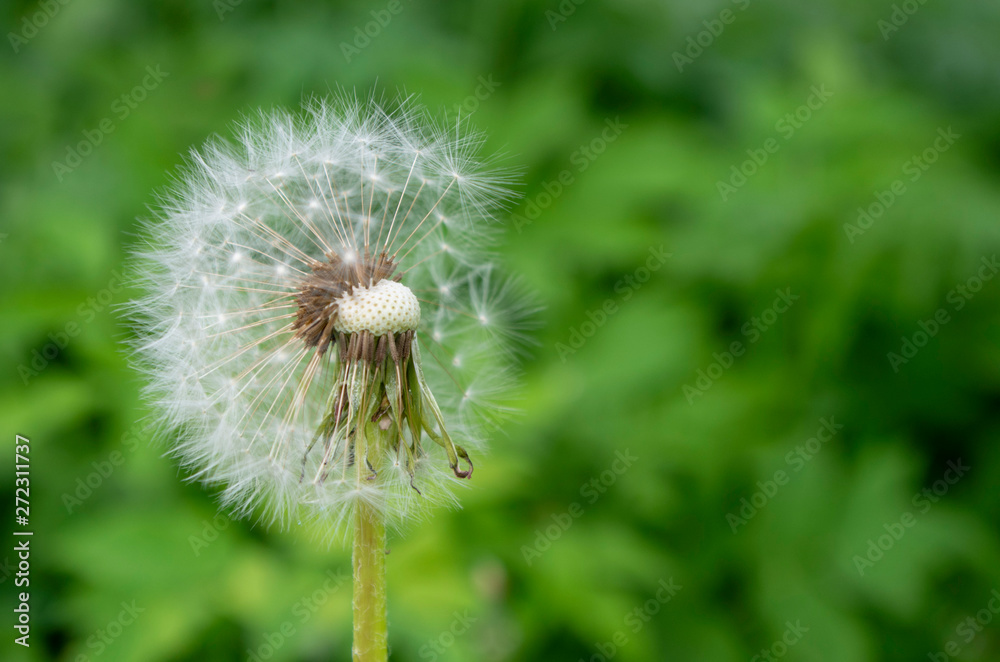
(370, 631)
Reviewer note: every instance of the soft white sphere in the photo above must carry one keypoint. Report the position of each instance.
(384, 307)
(235, 311)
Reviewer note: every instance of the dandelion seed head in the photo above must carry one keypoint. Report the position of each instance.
(309, 282)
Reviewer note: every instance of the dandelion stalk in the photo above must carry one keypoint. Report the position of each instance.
(368, 558)
(370, 624)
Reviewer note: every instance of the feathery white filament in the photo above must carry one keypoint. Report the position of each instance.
(226, 258)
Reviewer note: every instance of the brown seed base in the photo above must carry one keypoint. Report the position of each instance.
(320, 291)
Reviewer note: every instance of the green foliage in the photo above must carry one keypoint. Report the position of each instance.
(562, 546)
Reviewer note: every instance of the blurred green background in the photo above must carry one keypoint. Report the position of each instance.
(730, 145)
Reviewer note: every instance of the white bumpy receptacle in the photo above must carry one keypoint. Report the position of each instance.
(384, 307)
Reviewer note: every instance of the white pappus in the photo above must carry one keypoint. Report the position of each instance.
(323, 323)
